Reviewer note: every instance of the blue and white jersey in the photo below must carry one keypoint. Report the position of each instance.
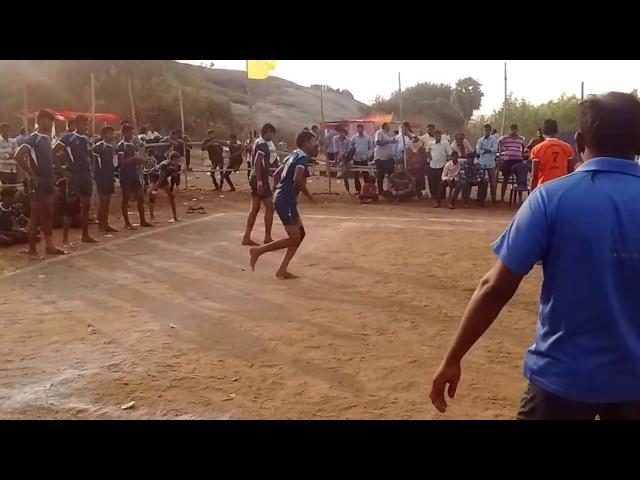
(40, 154)
(78, 149)
(286, 188)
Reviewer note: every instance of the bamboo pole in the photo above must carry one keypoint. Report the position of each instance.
(581, 91)
(93, 107)
(325, 147)
(25, 106)
(132, 103)
(404, 147)
(504, 105)
(186, 173)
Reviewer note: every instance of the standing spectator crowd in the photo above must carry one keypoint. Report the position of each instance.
(437, 167)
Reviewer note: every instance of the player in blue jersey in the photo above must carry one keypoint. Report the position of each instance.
(76, 148)
(260, 188)
(290, 179)
(35, 156)
(166, 176)
(103, 172)
(130, 182)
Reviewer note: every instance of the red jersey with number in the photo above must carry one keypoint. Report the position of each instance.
(553, 157)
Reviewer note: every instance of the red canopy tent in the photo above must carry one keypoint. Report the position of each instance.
(370, 123)
(65, 115)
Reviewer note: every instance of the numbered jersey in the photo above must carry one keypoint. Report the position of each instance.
(553, 157)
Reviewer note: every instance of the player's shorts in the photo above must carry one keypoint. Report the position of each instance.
(507, 166)
(105, 186)
(170, 182)
(130, 184)
(266, 192)
(81, 183)
(68, 197)
(287, 211)
(39, 191)
(331, 156)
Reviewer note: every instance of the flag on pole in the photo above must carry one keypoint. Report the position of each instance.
(259, 69)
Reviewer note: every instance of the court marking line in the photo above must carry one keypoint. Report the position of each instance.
(400, 219)
(49, 260)
(60, 258)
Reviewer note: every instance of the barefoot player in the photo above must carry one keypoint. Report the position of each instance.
(166, 178)
(77, 147)
(35, 156)
(290, 179)
(130, 183)
(260, 189)
(103, 171)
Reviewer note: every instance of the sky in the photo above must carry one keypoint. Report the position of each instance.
(537, 81)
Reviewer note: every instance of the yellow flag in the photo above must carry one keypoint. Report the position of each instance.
(259, 69)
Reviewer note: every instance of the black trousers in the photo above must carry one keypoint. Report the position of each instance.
(434, 177)
(383, 168)
(220, 166)
(538, 404)
(356, 175)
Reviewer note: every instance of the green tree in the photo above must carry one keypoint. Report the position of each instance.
(467, 97)
(449, 108)
(530, 117)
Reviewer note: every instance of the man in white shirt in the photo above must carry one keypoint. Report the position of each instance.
(429, 137)
(400, 147)
(8, 168)
(438, 154)
(363, 146)
(383, 155)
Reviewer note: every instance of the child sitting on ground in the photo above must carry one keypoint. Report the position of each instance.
(369, 191)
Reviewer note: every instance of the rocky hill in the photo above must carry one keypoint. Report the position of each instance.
(212, 98)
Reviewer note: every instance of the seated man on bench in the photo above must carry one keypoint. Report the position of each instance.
(472, 174)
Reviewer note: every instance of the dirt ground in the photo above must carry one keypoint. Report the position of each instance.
(172, 318)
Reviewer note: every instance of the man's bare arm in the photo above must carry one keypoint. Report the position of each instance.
(277, 176)
(492, 293)
(301, 182)
(535, 172)
(21, 158)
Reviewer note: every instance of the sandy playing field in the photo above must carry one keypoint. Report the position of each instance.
(173, 319)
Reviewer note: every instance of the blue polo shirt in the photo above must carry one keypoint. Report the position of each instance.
(585, 228)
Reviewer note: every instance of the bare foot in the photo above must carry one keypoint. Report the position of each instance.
(110, 229)
(285, 275)
(32, 254)
(452, 207)
(55, 251)
(268, 240)
(68, 244)
(253, 258)
(249, 242)
(128, 226)
(146, 224)
(89, 240)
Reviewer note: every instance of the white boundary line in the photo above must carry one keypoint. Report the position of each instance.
(48, 261)
(59, 258)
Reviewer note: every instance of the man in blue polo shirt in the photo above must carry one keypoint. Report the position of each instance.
(585, 362)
